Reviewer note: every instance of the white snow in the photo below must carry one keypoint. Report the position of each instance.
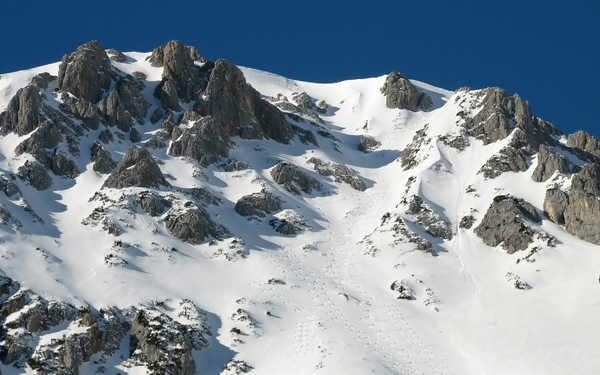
(336, 313)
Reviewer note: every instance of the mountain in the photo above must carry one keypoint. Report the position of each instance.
(162, 213)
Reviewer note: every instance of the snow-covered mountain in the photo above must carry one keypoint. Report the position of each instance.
(166, 214)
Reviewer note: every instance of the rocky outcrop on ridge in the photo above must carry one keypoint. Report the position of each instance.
(293, 179)
(506, 222)
(400, 93)
(204, 141)
(137, 168)
(339, 172)
(550, 161)
(258, 204)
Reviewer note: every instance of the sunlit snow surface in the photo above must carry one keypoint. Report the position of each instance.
(336, 313)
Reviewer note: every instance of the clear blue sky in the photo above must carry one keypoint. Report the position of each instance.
(548, 51)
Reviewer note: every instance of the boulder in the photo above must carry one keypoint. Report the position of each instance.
(204, 141)
(293, 179)
(35, 174)
(192, 226)
(506, 223)
(137, 168)
(368, 143)
(258, 204)
(86, 73)
(400, 93)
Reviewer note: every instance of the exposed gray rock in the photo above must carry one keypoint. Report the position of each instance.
(86, 73)
(35, 174)
(45, 137)
(548, 162)
(63, 166)
(204, 141)
(82, 109)
(239, 108)
(466, 222)
(403, 289)
(400, 93)
(293, 179)
(103, 162)
(116, 55)
(584, 141)
(124, 104)
(410, 153)
(182, 78)
(152, 203)
(427, 219)
(106, 136)
(156, 115)
(505, 223)
(258, 204)
(340, 172)
(134, 135)
(368, 143)
(193, 226)
(289, 224)
(137, 168)
(555, 204)
(42, 80)
(22, 115)
(235, 165)
(512, 158)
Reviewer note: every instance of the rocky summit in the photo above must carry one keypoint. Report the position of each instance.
(164, 213)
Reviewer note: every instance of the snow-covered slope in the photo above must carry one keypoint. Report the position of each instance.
(368, 284)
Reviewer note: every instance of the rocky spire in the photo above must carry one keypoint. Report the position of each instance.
(400, 93)
(137, 168)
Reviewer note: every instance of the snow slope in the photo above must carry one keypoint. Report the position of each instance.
(335, 314)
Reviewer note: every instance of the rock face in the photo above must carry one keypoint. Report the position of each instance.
(137, 168)
(400, 93)
(579, 209)
(239, 108)
(182, 78)
(103, 162)
(293, 179)
(35, 174)
(368, 143)
(22, 115)
(153, 204)
(204, 141)
(549, 162)
(154, 337)
(124, 105)
(258, 204)
(505, 223)
(192, 226)
(86, 73)
(427, 219)
(340, 172)
(584, 141)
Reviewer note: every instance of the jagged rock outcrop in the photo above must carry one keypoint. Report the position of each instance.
(103, 162)
(289, 222)
(193, 225)
(293, 179)
(400, 93)
(162, 344)
(82, 109)
(152, 203)
(367, 143)
(182, 78)
(258, 204)
(410, 155)
(584, 141)
(548, 162)
(22, 115)
(45, 137)
(124, 105)
(340, 173)
(427, 219)
(35, 174)
(137, 168)
(204, 141)
(579, 208)
(116, 55)
(506, 223)
(238, 107)
(63, 166)
(86, 73)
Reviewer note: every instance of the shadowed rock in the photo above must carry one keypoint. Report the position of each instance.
(35, 174)
(239, 108)
(103, 162)
(505, 223)
(86, 73)
(153, 204)
(584, 141)
(555, 204)
(204, 141)
(137, 168)
(368, 143)
(548, 162)
(258, 204)
(22, 115)
(400, 93)
(192, 226)
(124, 105)
(293, 179)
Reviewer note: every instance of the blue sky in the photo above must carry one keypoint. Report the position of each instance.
(548, 51)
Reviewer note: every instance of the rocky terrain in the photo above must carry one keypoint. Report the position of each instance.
(164, 213)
